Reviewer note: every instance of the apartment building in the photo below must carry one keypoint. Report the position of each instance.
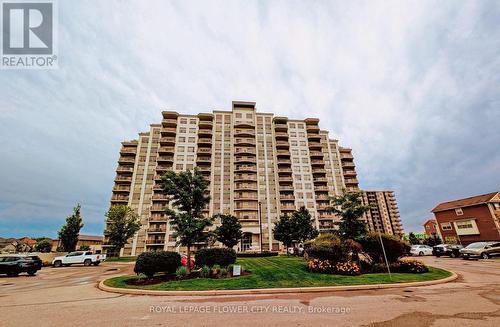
(469, 220)
(383, 215)
(259, 166)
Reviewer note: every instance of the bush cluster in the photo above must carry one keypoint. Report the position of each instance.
(150, 263)
(409, 266)
(330, 247)
(215, 256)
(394, 247)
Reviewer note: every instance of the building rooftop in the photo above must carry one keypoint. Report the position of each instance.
(467, 202)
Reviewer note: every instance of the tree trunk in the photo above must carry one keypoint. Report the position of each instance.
(188, 264)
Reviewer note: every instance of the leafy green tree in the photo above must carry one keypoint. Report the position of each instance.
(433, 240)
(350, 209)
(303, 225)
(283, 230)
(68, 235)
(84, 248)
(229, 232)
(188, 195)
(121, 224)
(43, 245)
(413, 239)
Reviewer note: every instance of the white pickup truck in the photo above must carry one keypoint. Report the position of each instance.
(79, 257)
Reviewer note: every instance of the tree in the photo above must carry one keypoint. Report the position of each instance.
(43, 245)
(413, 239)
(84, 248)
(68, 235)
(283, 230)
(303, 225)
(121, 224)
(299, 227)
(350, 209)
(229, 232)
(188, 191)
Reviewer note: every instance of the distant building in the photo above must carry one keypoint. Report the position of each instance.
(431, 228)
(469, 220)
(383, 215)
(92, 241)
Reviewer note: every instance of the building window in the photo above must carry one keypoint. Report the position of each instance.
(446, 226)
(459, 211)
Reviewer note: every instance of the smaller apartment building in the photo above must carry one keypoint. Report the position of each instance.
(469, 220)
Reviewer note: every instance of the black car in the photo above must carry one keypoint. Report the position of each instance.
(451, 250)
(13, 265)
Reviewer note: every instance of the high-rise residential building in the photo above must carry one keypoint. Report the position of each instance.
(258, 166)
(383, 215)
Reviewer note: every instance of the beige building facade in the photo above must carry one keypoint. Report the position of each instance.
(383, 215)
(259, 167)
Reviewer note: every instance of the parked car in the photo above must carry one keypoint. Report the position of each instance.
(79, 257)
(13, 265)
(451, 250)
(484, 250)
(420, 250)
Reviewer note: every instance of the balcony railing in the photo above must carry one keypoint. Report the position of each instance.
(160, 197)
(125, 169)
(165, 158)
(204, 150)
(244, 141)
(244, 151)
(169, 122)
(281, 135)
(240, 131)
(119, 198)
(126, 160)
(167, 140)
(120, 178)
(168, 131)
(166, 149)
(246, 167)
(121, 189)
(315, 153)
(156, 241)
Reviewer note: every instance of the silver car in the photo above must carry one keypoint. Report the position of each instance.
(484, 250)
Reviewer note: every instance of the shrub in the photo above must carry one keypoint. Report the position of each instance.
(44, 246)
(326, 247)
(205, 271)
(320, 266)
(394, 247)
(181, 272)
(150, 263)
(347, 268)
(223, 273)
(409, 266)
(215, 256)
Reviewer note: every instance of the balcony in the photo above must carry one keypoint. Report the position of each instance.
(317, 162)
(244, 132)
(321, 188)
(204, 141)
(166, 149)
(246, 197)
(349, 172)
(246, 186)
(314, 128)
(282, 145)
(167, 140)
(163, 168)
(246, 208)
(351, 181)
(348, 164)
(322, 198)
(169, 122)
(206, 124)
(128, 150)
(282, 153)
(160, 197)
(245, 159)
(245, 151)
(119, 198)
(125, 169)
(246, 168)
(204, 150)
(316, 170)
(312, 137)
(244, 141)
(285, 170)
(158, 217)
(287, 208)
(204, 158)
(320, 179)
(244, 124)
(121, 178)
(245, 177)
(168, 131)
(281, 135)
(284, 179)
(286, 188)
(315, 145)
(158, 208)
(316, 154)
(284, 162)
(280, 127)
(121, 189)
(205, 132)
(159, 241)
(287, 197)
(126, 160)
(157, 230)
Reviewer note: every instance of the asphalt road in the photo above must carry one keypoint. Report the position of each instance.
(69, 296)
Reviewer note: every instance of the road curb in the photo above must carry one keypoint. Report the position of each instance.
(133, 291)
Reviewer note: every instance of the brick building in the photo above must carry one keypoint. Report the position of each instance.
(469, 220)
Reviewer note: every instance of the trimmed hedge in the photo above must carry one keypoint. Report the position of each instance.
(150, 263)
(215, 256)
(394, 247)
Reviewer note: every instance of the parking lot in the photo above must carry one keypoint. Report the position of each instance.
(70, 295)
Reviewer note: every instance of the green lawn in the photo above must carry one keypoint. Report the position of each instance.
(272, 272)
(121, 259)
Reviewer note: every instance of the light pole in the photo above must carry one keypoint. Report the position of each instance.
(260, 226)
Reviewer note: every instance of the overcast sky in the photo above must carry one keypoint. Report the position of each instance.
(413, 87)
